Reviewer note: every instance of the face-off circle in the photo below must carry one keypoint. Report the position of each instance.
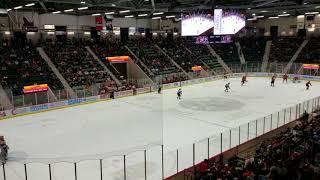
(211, 104)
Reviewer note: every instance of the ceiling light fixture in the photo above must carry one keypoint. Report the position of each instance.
(282, 15)
(82, 8)
(310, 13)
(68, 10)
(18, 7)
(131, 16)
(56, 12)
(109, 13)
(31, 4)
(273, 17)
(142, 15)
(158, 13)
(124, 11)
(156, 18)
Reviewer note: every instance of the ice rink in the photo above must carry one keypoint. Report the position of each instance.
(109, 129)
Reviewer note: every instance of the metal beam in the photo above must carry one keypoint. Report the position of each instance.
(267, 3)
(153, 6)
(43, 6)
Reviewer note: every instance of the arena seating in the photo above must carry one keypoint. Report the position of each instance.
(294, 154)
(75, 64)
(253, 48)
(203, 54)
(176, 50)
(311, 52)
(110, 48)
(282, 49)
(21, 65)
(157, 62)
(227, 51)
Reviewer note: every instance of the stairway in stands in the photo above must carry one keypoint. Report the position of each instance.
(155, 60)
(202, 53)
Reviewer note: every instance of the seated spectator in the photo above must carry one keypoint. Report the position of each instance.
(157, 62)
(311, 52)
(21, 65)
(75, 63)
(283, 49)
(286, 156)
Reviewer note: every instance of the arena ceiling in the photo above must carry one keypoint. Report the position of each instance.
(169, 7)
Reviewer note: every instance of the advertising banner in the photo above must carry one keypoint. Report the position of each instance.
(118, 59)
(311, 66)
(143, 90)
(35, 88)
(123, 93)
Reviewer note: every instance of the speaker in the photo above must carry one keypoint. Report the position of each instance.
(302, 33)
(124, 34)
(94, 33)
(20, 38)
(274, 31)
(148, 33)
(170, 36)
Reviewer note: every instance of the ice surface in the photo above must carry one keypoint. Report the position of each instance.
(109, 130)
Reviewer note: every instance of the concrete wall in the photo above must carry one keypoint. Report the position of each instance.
(288, 26)
(131, 22)
(76, 24)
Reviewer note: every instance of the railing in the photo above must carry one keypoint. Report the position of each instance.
(94, 90)
(270, 68)
(153, 161)
(156, 162)
(44, 97)
(195, 153)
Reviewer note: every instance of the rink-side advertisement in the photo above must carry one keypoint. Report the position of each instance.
(43, 107)
(61, 104)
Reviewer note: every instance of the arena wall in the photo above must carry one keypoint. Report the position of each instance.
(287, 26)
(148, 89)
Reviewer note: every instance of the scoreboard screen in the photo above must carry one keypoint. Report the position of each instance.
(220, 23)
(228, 22)
(196, 25)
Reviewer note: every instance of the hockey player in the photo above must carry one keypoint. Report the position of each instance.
(295, 79)
(179, 94)
(159, 90)
(134, 90)
(3, 150)
(285, 78)
(308, 84)
(227, 87)
(244, 80)
(273, 79)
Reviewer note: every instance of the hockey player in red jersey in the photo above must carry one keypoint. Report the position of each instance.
(244, 80)
(285, 78)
